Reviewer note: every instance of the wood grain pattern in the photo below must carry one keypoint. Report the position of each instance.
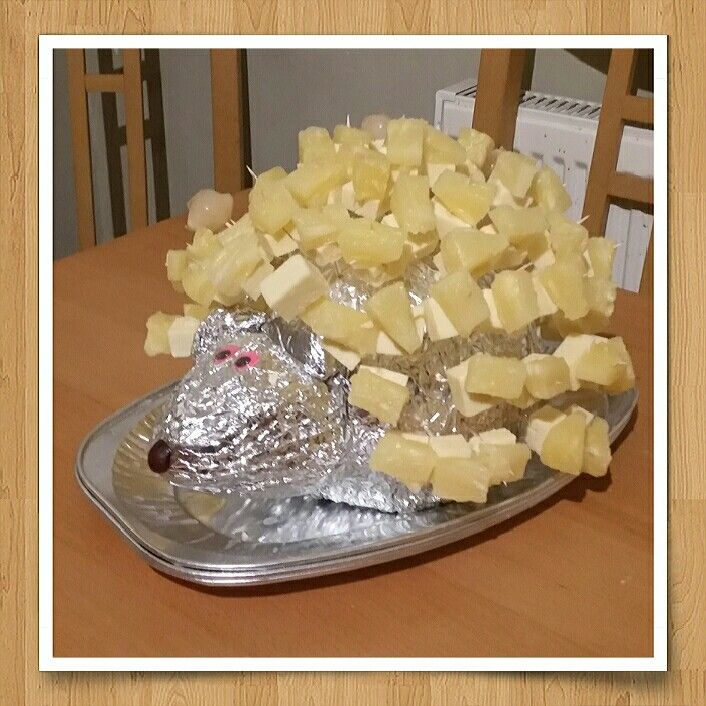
(20, 683)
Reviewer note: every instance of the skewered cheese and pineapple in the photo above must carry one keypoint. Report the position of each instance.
(377, 199)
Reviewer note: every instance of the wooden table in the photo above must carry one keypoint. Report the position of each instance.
(572, 577)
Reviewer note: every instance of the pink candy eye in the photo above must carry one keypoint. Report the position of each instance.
(246, 360)
(226, 353)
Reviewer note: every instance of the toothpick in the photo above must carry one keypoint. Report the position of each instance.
(251, 172)
(348, 120)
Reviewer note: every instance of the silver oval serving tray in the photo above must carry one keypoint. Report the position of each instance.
(236, 541)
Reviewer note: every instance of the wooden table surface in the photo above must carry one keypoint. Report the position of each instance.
(572, 577)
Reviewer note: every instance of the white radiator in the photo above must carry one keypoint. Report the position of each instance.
(561, 132)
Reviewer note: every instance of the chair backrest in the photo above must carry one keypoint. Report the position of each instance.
(231, 131)
(129, 83)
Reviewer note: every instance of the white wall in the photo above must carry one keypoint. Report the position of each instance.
(289, 90)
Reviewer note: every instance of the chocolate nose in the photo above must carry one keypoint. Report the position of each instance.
(159, 456)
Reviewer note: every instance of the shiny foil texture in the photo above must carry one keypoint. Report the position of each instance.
(264, 410)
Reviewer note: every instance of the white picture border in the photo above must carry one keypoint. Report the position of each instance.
(47, 660)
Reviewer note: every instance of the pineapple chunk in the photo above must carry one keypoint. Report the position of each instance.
(370, 175)
(347, 135)
(495, 376)
(198, 285)
(271, 205)
(515, 299)
(600, 253)
(600, 294)
(547, 375)
(367, 243)
(277, 245)
(315, 144)
(293, 286)
(411, 462)
(471, 250)
(462, 301)
(319, 226)
(434, 171)
(462, 197)
(565, 285)
(234, 264)
(311, 182)
(439, 148)
(181, 334)
(515, 171)
(462, 479)
(176, 263)
(422, 244)
(563, 447)
(341, 324)
(157, 340)
(389, 308)
(546, 306)
(548, 192)
(599, 365)
(505, 463)
(565, 236)
(405, 142)
(494, 320)
(518, 223)
(558, 326)
(477, 144)
(572, 349)
(445, 220)
(626, 373)
(468, 405)
(411, 205)
(524, 401)
(378, 395)
(596, 450)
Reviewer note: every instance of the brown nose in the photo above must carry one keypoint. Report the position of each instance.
(159, 456)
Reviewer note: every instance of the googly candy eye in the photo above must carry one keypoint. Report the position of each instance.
(226, 353)
(246, 360)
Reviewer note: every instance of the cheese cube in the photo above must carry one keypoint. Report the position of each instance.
(494, 319)
(572, 349)
(547, 375)
(278, 245)
(539, 425)
(434, 171)
(468, 405)
(450, 446)
(380, 392)
(408, 461)
(495, 376)
(545, 304)
(176, 263)
(501, 436)
(343, 355)
(294, 285)
(386, 346)
(181, 334)
(439, 325)
(327, 254)
(157, 339)
(445, 220)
